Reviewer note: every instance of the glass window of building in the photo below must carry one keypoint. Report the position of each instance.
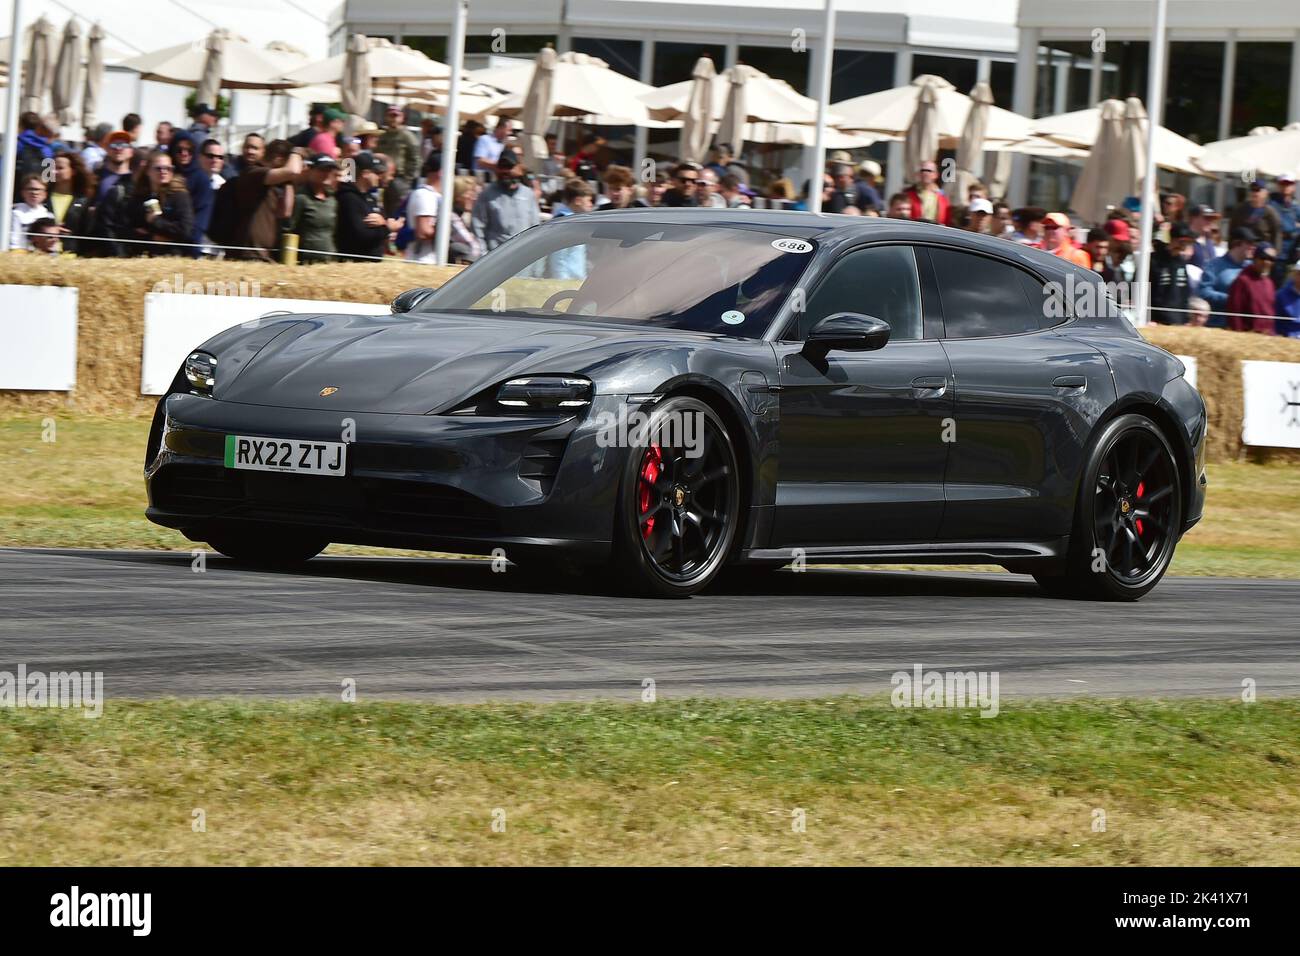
(859, 72)
(1064, 69)
(1195, 89)
(778, 62)
(1124, 69)
(1260, 86)
(960, 71)
(1002, 78)
(675, 61)
(621, 55)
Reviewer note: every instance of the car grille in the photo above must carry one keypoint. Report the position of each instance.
(541, 461)
(389, 504)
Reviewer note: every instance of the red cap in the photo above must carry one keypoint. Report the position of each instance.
(1118, 230)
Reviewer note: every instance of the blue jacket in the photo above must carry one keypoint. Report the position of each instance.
(1287, 213)
(199, 185)
(1288, 310)
(1219, 275)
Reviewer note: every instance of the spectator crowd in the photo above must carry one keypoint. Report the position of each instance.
(327, 194)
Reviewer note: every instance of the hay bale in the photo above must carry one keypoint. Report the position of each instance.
(110, 328)
(1219, 354)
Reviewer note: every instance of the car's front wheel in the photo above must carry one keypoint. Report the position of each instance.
(1127, 517)
(679, 501)
(266, 547)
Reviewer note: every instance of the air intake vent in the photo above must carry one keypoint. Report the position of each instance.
(541, 461)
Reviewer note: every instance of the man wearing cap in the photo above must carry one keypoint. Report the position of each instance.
(505, 207)
(1202, 220)
(1057, 241)
(94, 152)
(363, 229)
(315, 211)
(423, 207)
(1258, 216)
(1252, 298)
(260, 197)
(1221, 273)
(1029, 226)
(978, 215)
(399, 144)
(205, 120)
(1171, 285)
(868, 177)
(327, 139)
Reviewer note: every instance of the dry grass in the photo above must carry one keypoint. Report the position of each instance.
(676, 782)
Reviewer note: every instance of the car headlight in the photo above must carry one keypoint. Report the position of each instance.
(545, 391)
(201, 372)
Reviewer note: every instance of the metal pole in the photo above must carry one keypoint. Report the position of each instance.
(1155, 99)
(451, 133)
(823, 98)
(10, 159)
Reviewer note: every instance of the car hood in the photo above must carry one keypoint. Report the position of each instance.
(422, 362)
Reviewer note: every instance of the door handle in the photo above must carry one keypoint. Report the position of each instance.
(929, 386)
(1071, 381)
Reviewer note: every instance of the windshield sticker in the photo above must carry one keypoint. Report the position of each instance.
(792, 245)
(733, 317)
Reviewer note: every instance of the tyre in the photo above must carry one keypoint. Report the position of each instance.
(679, 502)
(1127, 517)
(267, 547)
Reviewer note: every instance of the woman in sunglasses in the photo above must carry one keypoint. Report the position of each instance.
(159, 213)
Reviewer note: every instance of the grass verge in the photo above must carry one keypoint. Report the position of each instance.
(85, 490)
(684, 781)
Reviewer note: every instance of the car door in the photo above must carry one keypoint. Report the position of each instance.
(861, 451)
(1025, 400)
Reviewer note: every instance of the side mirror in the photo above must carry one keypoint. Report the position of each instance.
(845, 332)
(409, 299)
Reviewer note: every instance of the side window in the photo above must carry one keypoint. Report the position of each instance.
(880, 281)
(982, 296)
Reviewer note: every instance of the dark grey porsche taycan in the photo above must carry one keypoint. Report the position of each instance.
(667, 393)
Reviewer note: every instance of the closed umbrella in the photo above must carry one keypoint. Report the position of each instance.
(970, 151)
(94, 76)
(1093, 189)
(731, 128)
(1130, 170)
(891, 112)
(355, 87)
(583, 86)
(921, 144)
(538, 104)
(37, 66)
(66, 73)
(697, 122)
(1079, 130)
(209, 89)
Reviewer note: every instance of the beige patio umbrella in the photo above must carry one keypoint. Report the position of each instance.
(1094, 189)
(697, 121)
(735, 111)
(1079, 129)
(94, 79)
(970, 151)
(538, 105)
(1264, 149)
(1130, 167)
(67, 71)
(243, 65)
(355, 84)
(391, 63)
(37, 67)
(583, 87)
(767, 100)
(891, 112)
(921, 144)
(209, 88)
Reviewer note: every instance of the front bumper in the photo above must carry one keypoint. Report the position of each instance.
(468, 484)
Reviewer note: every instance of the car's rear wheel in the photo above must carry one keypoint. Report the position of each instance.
(679, 501)
(1127, 517)
(266, 547)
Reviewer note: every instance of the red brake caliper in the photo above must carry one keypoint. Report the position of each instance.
(651, 465)
(1141, 486)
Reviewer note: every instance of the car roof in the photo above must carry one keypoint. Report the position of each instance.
(838, 228)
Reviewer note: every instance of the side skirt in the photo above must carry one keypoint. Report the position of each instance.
(1038, 554)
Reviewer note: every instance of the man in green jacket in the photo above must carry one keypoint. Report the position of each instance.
(399, 143)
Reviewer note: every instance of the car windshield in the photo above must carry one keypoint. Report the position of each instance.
(703, 277)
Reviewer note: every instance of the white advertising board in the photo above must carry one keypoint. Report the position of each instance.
(177, 323)
(38, 337)
(1271, 393)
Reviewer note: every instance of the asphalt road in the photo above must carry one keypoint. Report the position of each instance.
(458, 631)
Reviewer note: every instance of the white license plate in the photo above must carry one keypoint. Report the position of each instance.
(286, 454)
